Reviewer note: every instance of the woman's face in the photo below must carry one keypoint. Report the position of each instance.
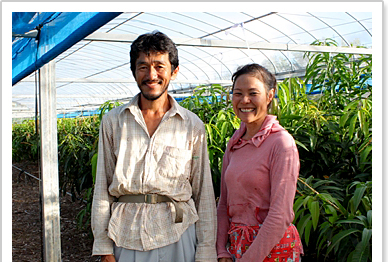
(250, 99)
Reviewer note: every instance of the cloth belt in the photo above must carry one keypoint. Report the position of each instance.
(153, 199)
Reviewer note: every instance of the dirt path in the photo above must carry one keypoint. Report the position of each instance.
(76, 244)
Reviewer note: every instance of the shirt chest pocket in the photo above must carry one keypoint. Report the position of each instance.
(172, 162)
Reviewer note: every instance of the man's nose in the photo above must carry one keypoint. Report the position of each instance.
(152, 73)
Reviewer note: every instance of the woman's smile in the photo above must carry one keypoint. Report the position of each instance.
(250, 99)
(247, 110)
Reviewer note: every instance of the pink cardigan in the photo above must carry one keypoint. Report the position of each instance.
(258, 184)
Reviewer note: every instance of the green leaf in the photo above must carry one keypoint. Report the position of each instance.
(297, 214)
(338, 237)
(313, 142)
(363, 219)
(324, 157)
(338, 204)
(344, 118)
(309, 180)
(366, 236)
(211, 155)
(363, 248)
(209, 133)
(94, 166)
(307, 200)
(217, 148)
(224, 130)
(307, 232)
(364, 154)
(369, 218)
(332, 188)
(298, 203)
(350, 221)
(323, 233)
(350, 256)
(303, 222)
(352, 126)
(332, 212)
(323, 182)
(356, 199)
(361, 119)
(301, 145)
(366, 202)
(314, 210)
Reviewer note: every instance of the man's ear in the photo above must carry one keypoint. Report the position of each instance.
(175, 73)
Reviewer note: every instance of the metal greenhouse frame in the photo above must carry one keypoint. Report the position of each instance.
(80, 59)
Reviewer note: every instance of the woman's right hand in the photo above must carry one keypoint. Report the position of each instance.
(108, 258)
(225, 259)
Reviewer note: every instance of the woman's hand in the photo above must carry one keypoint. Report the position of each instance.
(225, 259)
(108, 258)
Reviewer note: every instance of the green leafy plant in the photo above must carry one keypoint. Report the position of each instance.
(76, 144)
(25, 141)
(333, 133)
(84, 216)
(339, 221)
(214, 108)
(329, 113)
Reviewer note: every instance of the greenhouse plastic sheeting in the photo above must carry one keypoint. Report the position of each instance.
(58, 31)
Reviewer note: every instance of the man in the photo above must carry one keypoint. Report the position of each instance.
(153, 197)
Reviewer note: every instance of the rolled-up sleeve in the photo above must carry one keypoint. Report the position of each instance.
(203, 195)
(102, 200)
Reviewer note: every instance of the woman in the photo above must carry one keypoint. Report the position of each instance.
(258, 180)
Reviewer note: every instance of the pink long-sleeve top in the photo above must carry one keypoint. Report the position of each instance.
(258, 184)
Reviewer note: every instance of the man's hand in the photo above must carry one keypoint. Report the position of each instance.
(108, 258)
(225, 259)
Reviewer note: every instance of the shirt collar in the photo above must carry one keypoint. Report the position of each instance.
(270, 125)
(133, 107)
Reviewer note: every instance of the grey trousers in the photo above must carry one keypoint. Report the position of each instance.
(181, 251)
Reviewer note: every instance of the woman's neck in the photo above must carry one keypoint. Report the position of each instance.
(252, 129)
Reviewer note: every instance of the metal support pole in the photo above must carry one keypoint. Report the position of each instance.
(49, 188)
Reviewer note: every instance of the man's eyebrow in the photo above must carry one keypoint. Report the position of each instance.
(154, 62)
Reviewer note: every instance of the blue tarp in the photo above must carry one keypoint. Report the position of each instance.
(58, 32)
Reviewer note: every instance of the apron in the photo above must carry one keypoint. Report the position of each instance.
(288, 249)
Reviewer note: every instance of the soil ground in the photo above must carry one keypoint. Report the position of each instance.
(76, 244)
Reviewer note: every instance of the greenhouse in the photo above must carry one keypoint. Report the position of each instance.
(70, 68)
(211, 46)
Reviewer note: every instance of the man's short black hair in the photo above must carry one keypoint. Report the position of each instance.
(155, 42)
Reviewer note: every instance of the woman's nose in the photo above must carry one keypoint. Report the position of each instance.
(245, 99)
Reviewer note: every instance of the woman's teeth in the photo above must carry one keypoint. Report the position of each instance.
(245, 110)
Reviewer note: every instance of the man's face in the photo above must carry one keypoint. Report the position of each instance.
(153, 74)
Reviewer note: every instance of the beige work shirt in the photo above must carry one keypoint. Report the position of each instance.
(173, 162)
